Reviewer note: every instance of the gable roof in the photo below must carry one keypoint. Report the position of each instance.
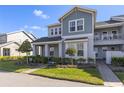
(8, 43)
(47, 39)
(31, 36)
(75, 9)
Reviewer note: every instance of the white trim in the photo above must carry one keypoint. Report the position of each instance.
(84, 40)
(46, 50)
(86, 10)
(60, 49)
(51, 42)
(75, 20)
(77, 36)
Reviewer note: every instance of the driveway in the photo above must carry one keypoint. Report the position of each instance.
(10, 79)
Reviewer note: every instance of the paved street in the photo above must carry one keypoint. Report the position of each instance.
(10, 79)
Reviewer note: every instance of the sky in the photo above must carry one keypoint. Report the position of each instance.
(35, 19)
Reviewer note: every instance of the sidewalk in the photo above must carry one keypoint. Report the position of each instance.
(108, 76)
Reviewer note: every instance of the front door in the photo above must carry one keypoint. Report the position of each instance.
(6, 51)
(104, 49)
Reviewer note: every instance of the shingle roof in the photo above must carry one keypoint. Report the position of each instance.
(106, 22)
(46, 39)
(119, 16)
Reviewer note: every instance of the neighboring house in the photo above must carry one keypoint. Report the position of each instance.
(109, 36)
(78, 29)
(75, 30)
(10, 42)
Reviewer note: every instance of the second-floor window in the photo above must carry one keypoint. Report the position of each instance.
(105, 36)
(114, 35)
(55, 31)
(72, 26)
(51, 31)
(76, 25)
(60, 31)
(80, 25)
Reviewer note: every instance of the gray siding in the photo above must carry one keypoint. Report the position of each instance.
(3, 38)
(77, 15)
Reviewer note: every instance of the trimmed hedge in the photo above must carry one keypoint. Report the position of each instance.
(10, 58)
(44, 60)
(118, 61)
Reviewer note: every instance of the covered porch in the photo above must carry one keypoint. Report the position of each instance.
(48, 46)
(48, 49)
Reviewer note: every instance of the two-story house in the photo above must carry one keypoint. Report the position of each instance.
(74, 30)
(10, 42)
(109, 36)
(78, 29)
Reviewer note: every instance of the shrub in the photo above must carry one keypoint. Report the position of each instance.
(118, 61)
(81, 60)
(91, 60)
(70, 51)
(9, 58)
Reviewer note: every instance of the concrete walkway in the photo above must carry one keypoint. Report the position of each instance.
(108, 76)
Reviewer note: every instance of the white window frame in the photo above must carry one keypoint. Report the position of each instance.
(80, 49)
(56, 31)
(51, 30)
(116, 32)
(103, 35)
(59, 30)
(75, 46)
(75, 25)
(69, 25)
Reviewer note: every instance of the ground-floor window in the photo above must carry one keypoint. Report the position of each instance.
(78, 46)
(51, 51)
(6, 51)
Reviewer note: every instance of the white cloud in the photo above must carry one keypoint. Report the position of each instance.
(40, 13)
(35, 27)
(43, 29)
(26, 26)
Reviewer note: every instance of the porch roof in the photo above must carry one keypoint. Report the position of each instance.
(47, 39)
(76, 38)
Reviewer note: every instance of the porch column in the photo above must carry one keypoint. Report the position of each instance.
(86, 50)
(41, 51)
(60, 49)
(34, 49)
(46, 50)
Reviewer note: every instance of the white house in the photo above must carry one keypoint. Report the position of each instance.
(10, 42)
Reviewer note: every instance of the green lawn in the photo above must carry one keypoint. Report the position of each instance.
(89, 75)
(121, 76)
(10, 66)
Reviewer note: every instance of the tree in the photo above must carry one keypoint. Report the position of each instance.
(71, 52)
(25, 48)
